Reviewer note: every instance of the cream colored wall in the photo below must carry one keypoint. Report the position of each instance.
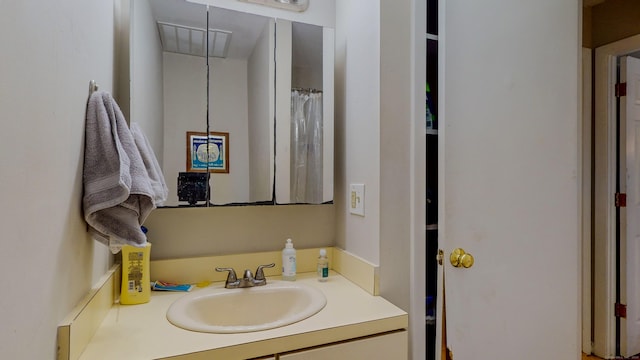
(50, 51)
(191, 232)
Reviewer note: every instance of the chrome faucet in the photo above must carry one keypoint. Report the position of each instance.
(248, 280)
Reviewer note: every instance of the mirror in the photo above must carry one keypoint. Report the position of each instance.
(168, 45)
(304, 113)
(168, 97)
(241, 103)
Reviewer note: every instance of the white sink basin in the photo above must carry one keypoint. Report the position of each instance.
(220, 310)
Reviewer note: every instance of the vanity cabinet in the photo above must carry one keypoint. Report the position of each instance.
(387, 346)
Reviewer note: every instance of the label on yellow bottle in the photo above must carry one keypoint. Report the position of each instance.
(135, 275)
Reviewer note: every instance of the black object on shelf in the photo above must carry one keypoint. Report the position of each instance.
(432, 78)
(432, 17)
(192, 187)
(431, 292)
(431, 180)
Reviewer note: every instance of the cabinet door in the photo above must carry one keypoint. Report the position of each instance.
(390, 346)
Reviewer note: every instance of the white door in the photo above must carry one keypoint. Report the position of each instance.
(510, 177)
(630, 106)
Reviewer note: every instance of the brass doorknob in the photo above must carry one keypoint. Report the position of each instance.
(460, 258)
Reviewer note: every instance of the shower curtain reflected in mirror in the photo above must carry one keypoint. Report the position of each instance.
(306, 146)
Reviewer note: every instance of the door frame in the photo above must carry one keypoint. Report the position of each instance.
(604, 220)
(586, 200)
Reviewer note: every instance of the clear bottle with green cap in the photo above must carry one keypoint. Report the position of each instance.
(289, 262)
(323, 266)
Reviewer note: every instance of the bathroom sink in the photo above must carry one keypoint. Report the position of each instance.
(220, 310)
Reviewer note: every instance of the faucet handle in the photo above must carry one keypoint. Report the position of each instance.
(247, 275)
(232, 278)
(260, 272)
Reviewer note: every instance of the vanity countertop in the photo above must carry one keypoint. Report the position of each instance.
(143, 332)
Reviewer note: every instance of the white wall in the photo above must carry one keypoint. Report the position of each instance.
(357, 124)
(283, 111)
(50, 51)
(228, 112)
(185, 103)
(402, 161)
(185, 109)
(397, 126)
(306, 56)
(146, 75)
(380, 141)
(260, 75)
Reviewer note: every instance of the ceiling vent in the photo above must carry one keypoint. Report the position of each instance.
(192, 41)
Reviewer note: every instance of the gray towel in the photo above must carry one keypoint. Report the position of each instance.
(160, 190)
(118, 195)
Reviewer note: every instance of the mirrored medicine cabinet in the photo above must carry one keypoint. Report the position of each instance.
(264, 94)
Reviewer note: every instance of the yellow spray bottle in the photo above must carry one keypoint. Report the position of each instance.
(136, 288)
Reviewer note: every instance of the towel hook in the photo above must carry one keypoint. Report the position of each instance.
(92, 86)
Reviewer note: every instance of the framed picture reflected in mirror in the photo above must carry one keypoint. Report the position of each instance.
(208, 154)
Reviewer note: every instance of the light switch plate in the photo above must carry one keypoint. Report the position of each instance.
(356, 199)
